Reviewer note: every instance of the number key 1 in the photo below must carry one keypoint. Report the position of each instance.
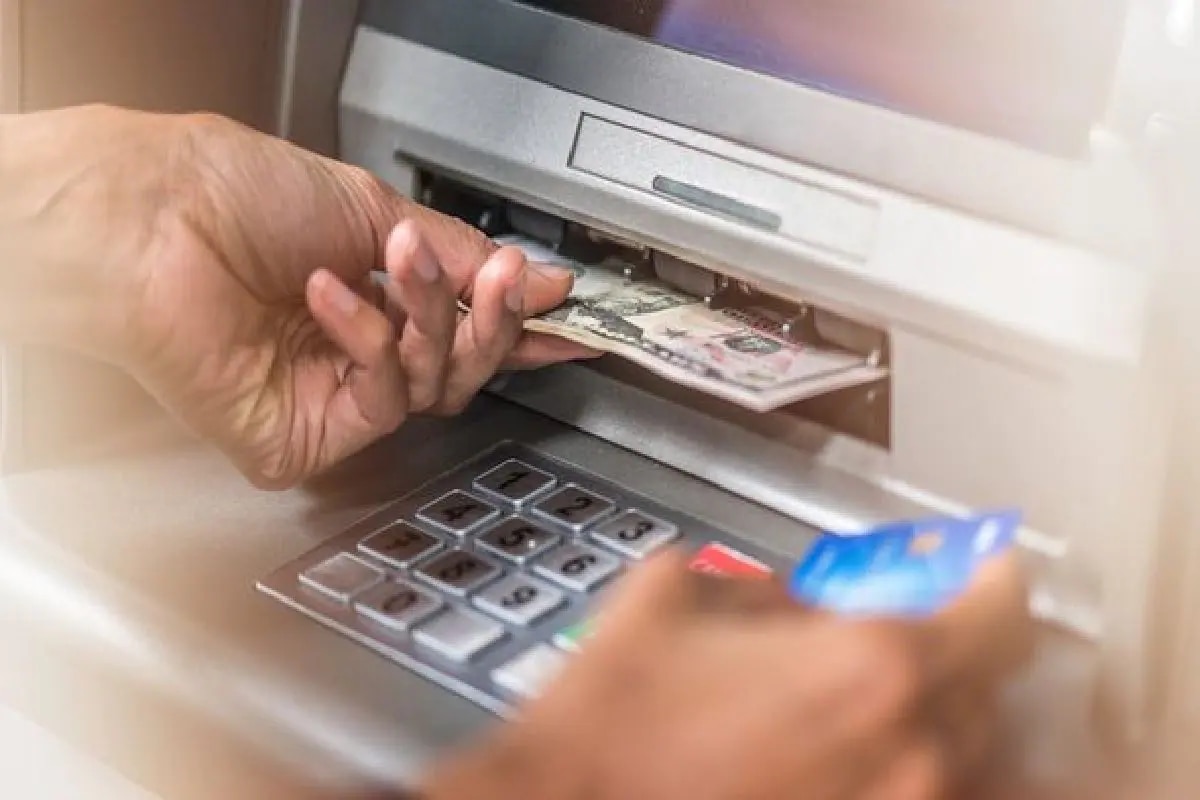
(514, 482)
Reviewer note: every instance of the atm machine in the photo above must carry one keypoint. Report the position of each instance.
(967, 194)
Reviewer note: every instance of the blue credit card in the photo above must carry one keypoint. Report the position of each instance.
(909, 569)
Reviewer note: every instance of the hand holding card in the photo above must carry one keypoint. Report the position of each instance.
(907, 569)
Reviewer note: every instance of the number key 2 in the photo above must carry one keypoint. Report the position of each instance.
(574, 507)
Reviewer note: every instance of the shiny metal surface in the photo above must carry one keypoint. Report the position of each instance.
(955, 167)
(142, 564)
(119, 589)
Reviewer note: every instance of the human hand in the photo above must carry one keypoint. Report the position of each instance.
(237, 273)
(704, 689)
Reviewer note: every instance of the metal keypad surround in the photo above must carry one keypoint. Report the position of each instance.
(475, 599)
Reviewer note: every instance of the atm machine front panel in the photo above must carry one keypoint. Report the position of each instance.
(972, 252)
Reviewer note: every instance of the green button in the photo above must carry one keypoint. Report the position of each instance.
(571, 639)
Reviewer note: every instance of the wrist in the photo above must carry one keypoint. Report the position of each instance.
(64, 271)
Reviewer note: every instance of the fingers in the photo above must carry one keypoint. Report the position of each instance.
(418, 284)
(374, 385)
(486, 335)
(986, 634)
(916, 773)
(546, 288)
(536, 350)
(461, 249)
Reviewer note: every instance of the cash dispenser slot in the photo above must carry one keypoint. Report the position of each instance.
(861, 412)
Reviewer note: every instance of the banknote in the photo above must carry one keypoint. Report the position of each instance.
(737, 354)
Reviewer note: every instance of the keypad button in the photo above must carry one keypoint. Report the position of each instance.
(723, 561)
(400, 545)
(458, 635)
(341, 577)
(519, 600)
(514, 482)
(572, 639)
(458, 572)
(578, 567)
(398, 605)
(531, 672)
(635, 534)
(517, 540)
(458, 512)
(574, 507)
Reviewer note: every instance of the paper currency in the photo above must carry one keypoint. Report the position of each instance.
(734, 354)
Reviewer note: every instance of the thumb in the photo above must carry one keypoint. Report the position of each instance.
(546, 288)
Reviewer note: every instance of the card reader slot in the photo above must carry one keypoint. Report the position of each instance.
(706, 200)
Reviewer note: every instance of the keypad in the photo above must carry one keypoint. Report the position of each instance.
(519, 600)
(514, 482)
(458, 572)
(491, 577)
(518, 540)
(578, 567)
(341, 577)
(400, 545)
(458, 512)
(398, 606)
(574, 507)
(529, 673)
(459, 635)
(635, 534)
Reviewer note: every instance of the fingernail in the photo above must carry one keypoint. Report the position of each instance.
(337, 294)
(427, 266)
(553, 272)
(514, 298)
(405, 242)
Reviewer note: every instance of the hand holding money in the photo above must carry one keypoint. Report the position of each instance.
(727, 353)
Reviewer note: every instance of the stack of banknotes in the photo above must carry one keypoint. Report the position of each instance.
(737, 354)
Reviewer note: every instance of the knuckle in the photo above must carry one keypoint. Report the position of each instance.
(380, 339)
(273, 476)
